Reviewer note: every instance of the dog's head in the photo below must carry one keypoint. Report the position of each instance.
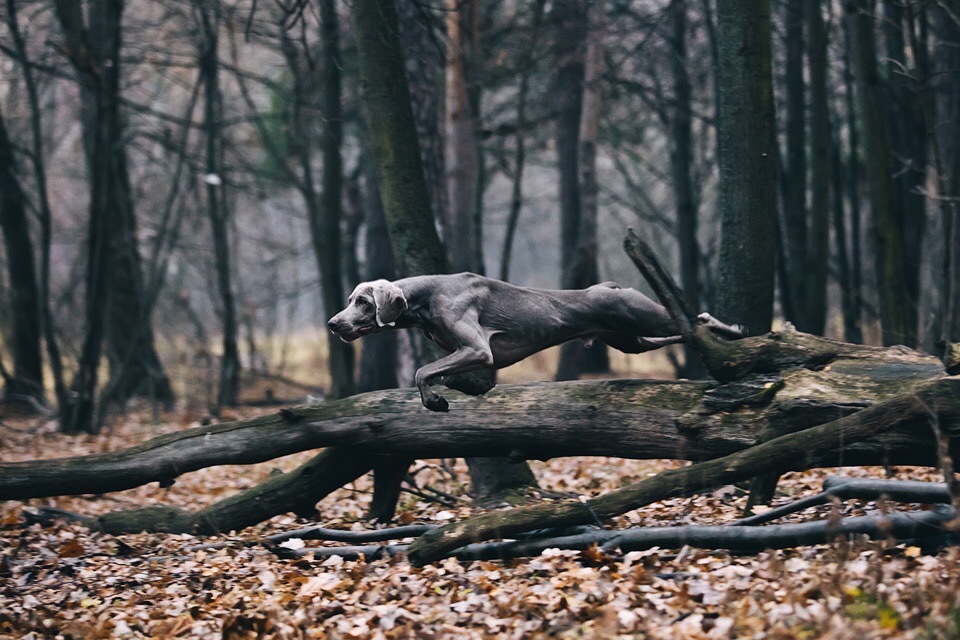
(373, 306)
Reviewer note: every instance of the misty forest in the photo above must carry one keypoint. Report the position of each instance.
(190, 189)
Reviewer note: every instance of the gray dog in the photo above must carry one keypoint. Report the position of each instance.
(486, 323)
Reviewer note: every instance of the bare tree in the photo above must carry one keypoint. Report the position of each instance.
(573, 30)
(115, 305)
(210, 15)
(885, 228)
(26, 381)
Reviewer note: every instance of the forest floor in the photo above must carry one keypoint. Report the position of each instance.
(63, 581)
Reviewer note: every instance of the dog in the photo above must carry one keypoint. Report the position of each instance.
(487, 323)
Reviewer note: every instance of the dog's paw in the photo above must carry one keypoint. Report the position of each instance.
(436, 403)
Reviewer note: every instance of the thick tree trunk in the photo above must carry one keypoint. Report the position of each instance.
(43, 201)
(421, 31)
(821, 159)
(778, 455)
(24, 296)
(461, 160)
(629, 418)
(378, 355)
(795, 166)
(403, 189)
(575, 29)
(885, 228)
(908, 153)
(748, 173)
(853, 318)
(681, 162)
(325, 220)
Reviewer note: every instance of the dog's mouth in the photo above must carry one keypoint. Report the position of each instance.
(354, 334)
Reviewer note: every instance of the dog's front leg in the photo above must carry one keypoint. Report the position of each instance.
(460, 361)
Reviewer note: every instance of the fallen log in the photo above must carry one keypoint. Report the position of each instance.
(625, 418)
(937, 400)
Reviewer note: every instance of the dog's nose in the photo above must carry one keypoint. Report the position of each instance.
(332, 324)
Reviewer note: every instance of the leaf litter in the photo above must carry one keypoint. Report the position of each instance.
(64, 581)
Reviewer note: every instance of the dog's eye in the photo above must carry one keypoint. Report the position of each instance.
(363, 302)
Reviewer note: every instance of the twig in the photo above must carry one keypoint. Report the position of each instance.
(857, 489)
(339, 535)
(903, 527)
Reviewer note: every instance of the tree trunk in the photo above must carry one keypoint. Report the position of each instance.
(117, 310)
(461, 160)
(24, 297)
(209, 64)
(821, 158)
(520, 155)
(135, 367)
(908, 155)
(885, 228)
(747, 152)
(403, 189)
(795, 182)
(420, 30)
(681, 161)
(43, 200)
(378, 354)
(747, 155)
(820, 380)
(854, 319)
(325, 223)
(97, 65)
(781, 454)
(947, 108)
(577, 31)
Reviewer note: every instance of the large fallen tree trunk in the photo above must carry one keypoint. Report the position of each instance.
(629, 418)
(624, 418)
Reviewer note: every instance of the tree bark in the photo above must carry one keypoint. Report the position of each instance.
(795, 185)
(209, 64)
(885, 228)
(575, 27)
(681, 161)
(325, 221)
(747, 162)
(461, 160)
(908, 153)
(853, 318)
(520, 154)
(379, 352)
(24, 296)
(43, 200)
(821, 159)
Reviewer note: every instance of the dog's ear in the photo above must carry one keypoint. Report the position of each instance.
(390, 302)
